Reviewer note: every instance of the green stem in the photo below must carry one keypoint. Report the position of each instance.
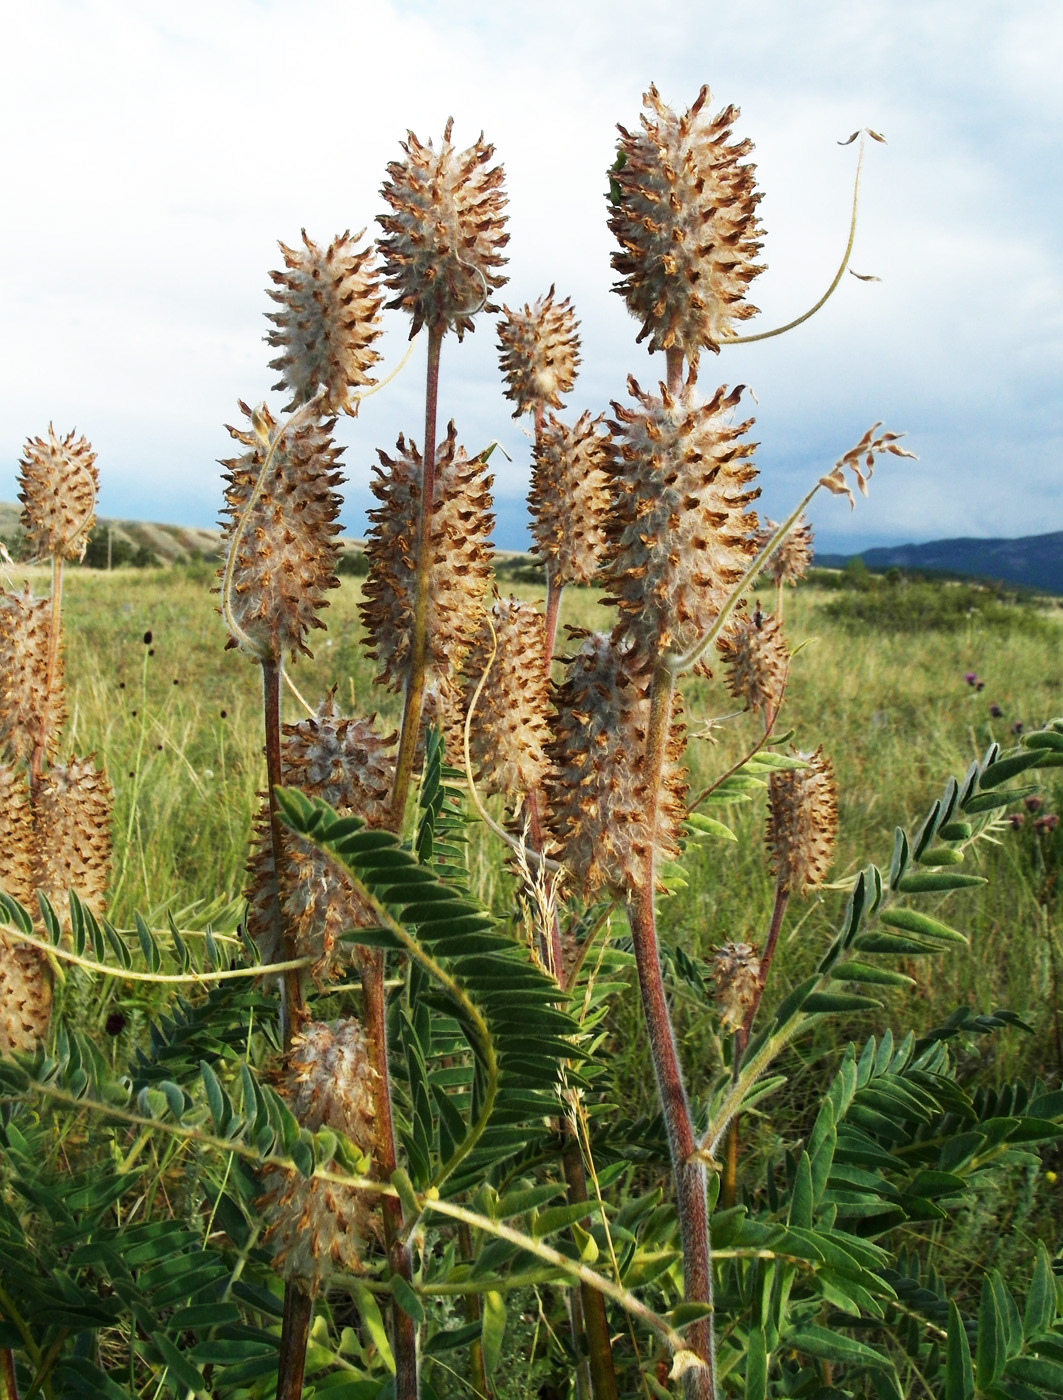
(595, 1320)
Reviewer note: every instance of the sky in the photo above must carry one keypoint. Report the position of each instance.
(153, 154)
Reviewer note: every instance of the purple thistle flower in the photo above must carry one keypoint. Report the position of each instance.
(971, 677)
(996, 711)
(1048, 822)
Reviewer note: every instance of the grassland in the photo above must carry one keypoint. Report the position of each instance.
(175, 720)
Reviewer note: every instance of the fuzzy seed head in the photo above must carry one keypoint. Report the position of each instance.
(25, 997)
(58, 482)
(510, 730)
(680, 528)
(72, 833)
(460, 570)
(318, 1229)
(286, 552)
(684, 214)
(16, 836)
(600, 796)
(793, 557)
(444, 238)
(736, 973)
(570, 498)
(754, 652)
(27, 706)
(802, 823)
(538, 353)
(329, 318)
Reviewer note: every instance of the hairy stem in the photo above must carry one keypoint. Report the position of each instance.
(674, 361)
(554, 591)
(51, 670)
(295, 1334)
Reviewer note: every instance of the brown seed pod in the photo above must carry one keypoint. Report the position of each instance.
(538, 353)
(570, 498)
(286, 550)
(599, 795)
(330, 312)
(319, 1229)
(802, 822)
(793, 557)
(72, 833)
(754, 652)
(26, 702)
(443, 241)
(736, 973)
(16, 837)
(679, 531)
(25, 997)
(510, 729)
(460, 568)
(684, 214)
(58, 484)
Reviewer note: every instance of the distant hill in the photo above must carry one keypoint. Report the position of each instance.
(1035, 561)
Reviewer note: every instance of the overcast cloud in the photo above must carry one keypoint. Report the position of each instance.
(153, 154)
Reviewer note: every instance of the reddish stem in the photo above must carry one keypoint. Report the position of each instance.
(295, 1335)
(51, 670)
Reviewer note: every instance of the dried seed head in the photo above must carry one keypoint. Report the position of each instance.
(72, 833)
(736, 973)
(26, 702)
(16, 836)
(754, 651)
(330, 311)
(684, 213)
(510, 730)
(680, 528)
(802, 822)
(287, 551)
(570, 497)
(58, 485)
(460, 568)
(319, 1229)
(538, 353)
(793, 557)
(599, 796)
(442, 248)
(349, 765)
(25, 997)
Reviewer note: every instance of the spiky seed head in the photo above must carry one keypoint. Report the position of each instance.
(286, 551)
(72, 833)
(27, 706)
(793, 557)
(802, 822)
(58, 482)
(754, 652)
(16, 836)
(460, 569)
(736, 973)
(538, 353)
(443, 241)
(510, 730)
(318, 1229)
(599, 796)
(349, 765)
(25, 997)
(684, 213)
(570, 497)
(680, 527)
(330, 312)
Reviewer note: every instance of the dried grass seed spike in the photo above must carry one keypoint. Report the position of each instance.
(754, 652)
(598, 797)
(72, 833)
(460, 571)
(802, 822)
(680, 529)
(57, 487)
(684, 213)
(24, 629)
(793, 557)
(330, 312)
(16, 836)
(570, 497)
(538, 353)
(511, 730)
(25, 997)
(736, 974)
(287, 551)
(318, 1229)
(443, 239)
